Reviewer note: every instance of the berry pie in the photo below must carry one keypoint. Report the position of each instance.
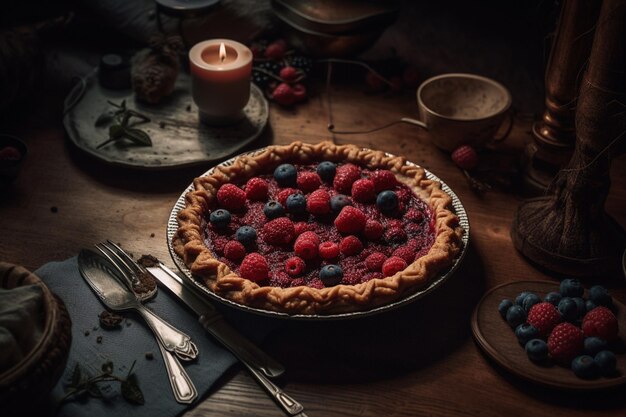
(317, 229)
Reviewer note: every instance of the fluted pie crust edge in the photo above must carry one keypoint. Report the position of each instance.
(188, 242)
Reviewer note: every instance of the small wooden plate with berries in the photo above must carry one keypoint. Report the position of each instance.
(494, 324)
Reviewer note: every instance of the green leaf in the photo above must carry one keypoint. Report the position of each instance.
(116, 132)
(138, 136)
(131, 391)
(76, 376)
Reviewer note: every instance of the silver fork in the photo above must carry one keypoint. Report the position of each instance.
(171, 338)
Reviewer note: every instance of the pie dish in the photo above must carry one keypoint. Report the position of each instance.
(431, 240)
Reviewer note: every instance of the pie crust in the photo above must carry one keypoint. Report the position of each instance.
(188, 241)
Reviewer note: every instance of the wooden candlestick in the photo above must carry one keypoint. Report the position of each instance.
(554, 134)
(568, 231)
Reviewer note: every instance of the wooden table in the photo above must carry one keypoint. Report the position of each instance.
(418, 360)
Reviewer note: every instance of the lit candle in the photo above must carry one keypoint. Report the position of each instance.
(220, 79)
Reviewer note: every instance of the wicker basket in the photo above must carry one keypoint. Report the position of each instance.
(27, 384)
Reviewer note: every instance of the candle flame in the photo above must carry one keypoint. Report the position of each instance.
(222, 52)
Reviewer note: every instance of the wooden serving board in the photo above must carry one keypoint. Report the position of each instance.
(497, 339)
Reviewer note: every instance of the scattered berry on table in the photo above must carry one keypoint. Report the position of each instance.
(231, 197)
(295, 266)
(331, 275)
(345, 176)
(530, 300)
(568, 308)
(537, 350)
(387, 201)
(286, 175)
(256, 189)
(289, 74)
(284, 95)
(280, 231)
(296, 203)
(328, 250)
(383, 179)
(350, 245)
(273, 209)
(373, 230)
(309, 181)
(504, 306)
(599, 295)
(526, 332)
(565, 342)
(544, 317)
(375, 261)
(594, 345)
(363, 190)
(276, 50)
(300, 62)
(254, 267)
(318, 202)
(350, 220)
(606, 361)
(234, 250)
(326, 170)
(519, 300)
(571, 288)
(585, 367)
(246, 235)
(284, 194)
(339, 201)
(601, 322)
(553, 298)
(515, 316)
(465, 157)
(393, 265)
(220, 218)
(261, 77)
(299, 92)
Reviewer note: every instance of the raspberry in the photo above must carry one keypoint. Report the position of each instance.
(298, 282)
(295, 266)
(404, 195)
(283, 95)
(375, 261)
(10, 153)
(373, 230)
(316, 283)
(276, 49)
(234, 250)
(254, 267)
(300, 227)
(318, 202)
(350, 220)
(351, 279)
(414, 215)
(305, 248)
(602, 323)
(465, 157)
(256, 189)
(395, 235)
(309, 235)
(350, 245)
(543, 317)
(363, 190)
(395, 224)
(280, 279)
(328, 250)
(383, 179)
(219, 244)
(405, 252)
(309, 181)
(346, 176)
(393, 265)
(299, 92)
(289, 74)
(565, 342)
(231, 197)
(284, 194)
(279, 231)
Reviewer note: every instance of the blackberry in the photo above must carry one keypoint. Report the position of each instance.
(260, 76)
(300, 62)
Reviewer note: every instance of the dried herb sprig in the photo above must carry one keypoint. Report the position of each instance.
(82, 383)
(122, 127)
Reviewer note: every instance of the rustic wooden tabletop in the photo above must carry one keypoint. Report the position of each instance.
(417, 360)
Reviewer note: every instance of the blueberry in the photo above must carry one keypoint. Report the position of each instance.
(331, 275)
(600, 296)
(286, 175)
(529, 301)
(537, 350)
(580, 306)
(568, 308)
(339, 201)
(585, 367)
(515, 316)
(606, 361)
(553, 298)
(571, 288)
(326, 170)
(519, 300)
(220, 218)
(387, 201)
(504, 307)
(526, 332)
(589, 305)
(296, 203)
(246, 235)
(273, 209)
(594, 345)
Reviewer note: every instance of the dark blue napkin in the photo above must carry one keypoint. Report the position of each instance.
(92, 346)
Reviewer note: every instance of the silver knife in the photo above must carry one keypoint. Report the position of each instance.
(213, 322)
